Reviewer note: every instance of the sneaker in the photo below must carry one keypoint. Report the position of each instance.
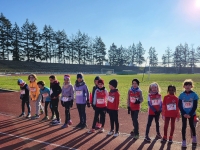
(45, 118)
(22, 115)
(28, 116)
(132, 132)
(116, 134)
(91, 131)
(83, 126)
(78, 125)
(170, 141)
(111, 132)
(163, 140)
(41, 111)
(147, 139)
(53, 117)
(184, 145)
(70, 122)
(98, 125)
(194, 140)
(136, 136)
(56, 122)
(36, 116)
(65, 125)
(101, 130)
(159, 135)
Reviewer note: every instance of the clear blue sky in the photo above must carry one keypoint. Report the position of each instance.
(157, 23)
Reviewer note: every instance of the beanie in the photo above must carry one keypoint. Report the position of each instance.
(66, 76)
(136, 80)
(79, 76)
(100, 81)
(113, 83)
(97, 78)
(20, 82)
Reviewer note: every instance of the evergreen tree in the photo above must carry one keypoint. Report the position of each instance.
(164, 60)
(153, 58)
(112, 55)
(140, 54)
(168, 54)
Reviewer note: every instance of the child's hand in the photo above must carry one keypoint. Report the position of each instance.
(177, 119)
(129, 110)
(188, 116)
(185, 116)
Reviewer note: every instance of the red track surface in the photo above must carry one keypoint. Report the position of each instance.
(19, 133)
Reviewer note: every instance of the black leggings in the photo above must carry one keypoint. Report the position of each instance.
(27, 104)
(134, 116)
(102, 113)
(82, 114)
(114, 120)
(54, 103)
(46, 108)
(67, 111)
(150, 119)
(184, 126)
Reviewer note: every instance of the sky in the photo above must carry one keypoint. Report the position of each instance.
(156, 23)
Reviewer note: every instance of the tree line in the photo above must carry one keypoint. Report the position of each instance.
(26, 43)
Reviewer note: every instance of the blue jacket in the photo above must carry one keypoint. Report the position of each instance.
(45, 94)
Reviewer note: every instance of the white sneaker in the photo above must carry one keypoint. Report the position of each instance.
(101, 130)
(110, 133)
(116, 134)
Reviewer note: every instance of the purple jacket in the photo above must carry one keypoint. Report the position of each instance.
(68, 92)
(81, 93)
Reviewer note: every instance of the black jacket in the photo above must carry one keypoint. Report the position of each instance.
(25, 96)
(56, 89)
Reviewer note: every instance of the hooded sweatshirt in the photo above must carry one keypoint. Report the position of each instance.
(55, 89)
(34, 90)
(81, 91)
(67, 92)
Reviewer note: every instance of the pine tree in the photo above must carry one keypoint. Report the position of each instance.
(168, 54)
(112, 55)
(164, 60)
(153, 58)
(140, 54)
(134, 54)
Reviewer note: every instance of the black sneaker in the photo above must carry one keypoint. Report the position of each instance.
(147, 139)
(22, 115)
(170, 141)
(78, 125)
(83, 126)
(163, 140)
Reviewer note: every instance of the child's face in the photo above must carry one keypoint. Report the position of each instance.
(100, 85)
(79, 80)
(96, 82)
(51, 80)
(66, 80)
(111, 87)
(154, 89)
(188, 87)
(31, 78)
(171, 91)
(134, 84)
(40, 86)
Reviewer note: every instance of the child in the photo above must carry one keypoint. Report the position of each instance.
(98, 125)
(100, 97)
(24, 96)
(112, 107)
(67, 99)
(188, 101)
(82, 98)
(55, 91)
(155, 108)
(35, 95)
(170, 112)
(45, 93)
(134, 99)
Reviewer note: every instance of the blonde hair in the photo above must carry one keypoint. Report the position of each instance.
(188, 82)
(154, 84)
(34, 75)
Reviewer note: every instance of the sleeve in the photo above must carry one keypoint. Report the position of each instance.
(128, 99)
(181, 107)
(95, 97)
(37, 93)
(72, 92)
(107, 94)
(193, 108)
(117, 102)
(161, 104)
(93, 90)
(87, 92)
(150, 105)
(178, 111)
(196, 97)
(141, 97)
(164, 106)
(62, 93)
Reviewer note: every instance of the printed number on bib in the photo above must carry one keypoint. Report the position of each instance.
(64, 99)
(100, 101)
(111, 99)
(22, 91)
(32, 89)
(133, 99)
(51, 92)
(79, 93)
(171, 107)
(187, 104)
(45, 95)
(155, 102)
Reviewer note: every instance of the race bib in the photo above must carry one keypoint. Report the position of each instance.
(100, 101)
(155, 102)
(45, 95)
(133, 99)
(111, 99)
(79, 93)
(51, 92)
(64, 99)
(171, 106)
(32, 89)
(22, 91)
(187, 104)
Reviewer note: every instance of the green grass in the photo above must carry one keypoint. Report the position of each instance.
(124, 83)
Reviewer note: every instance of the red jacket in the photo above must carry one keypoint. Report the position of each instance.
(113, 100)
(170, 106)
(101, 98)
(132, 96)
(155, 103)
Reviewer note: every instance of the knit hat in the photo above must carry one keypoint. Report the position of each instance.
(101, 81)
(136, 80)
(113, 83)
(79, 76)
(20, 82)
(97, 78)
(66, 76)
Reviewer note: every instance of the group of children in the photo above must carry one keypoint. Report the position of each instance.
(104, 102)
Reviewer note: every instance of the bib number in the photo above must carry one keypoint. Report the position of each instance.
(187, 104)
(32, 89)
(100, 101)
(171, 107)
(45, 95)
(155, 102)
(133, 99)
(111, 99)
(79, 93)
(22, 91)
(65, 99)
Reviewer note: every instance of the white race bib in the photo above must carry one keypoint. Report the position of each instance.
(155, 102)
(65, 99)
(51, 92)
(171, 106)
(79, 93)
(111, 99)
(100, 101)
(22, 91)
(187, 104)
(32, 89)
(45, 95)
(132, 99)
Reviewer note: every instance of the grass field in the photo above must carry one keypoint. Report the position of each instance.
(124, 83)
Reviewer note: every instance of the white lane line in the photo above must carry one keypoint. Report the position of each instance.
(38, 141)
